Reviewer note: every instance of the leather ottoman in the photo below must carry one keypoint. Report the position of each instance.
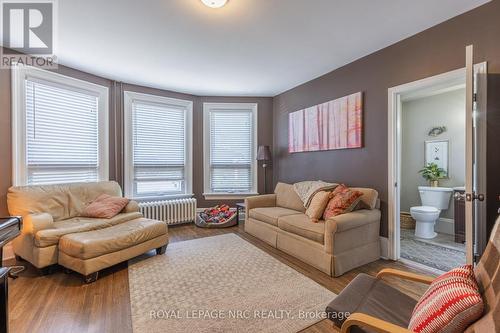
(89, 252)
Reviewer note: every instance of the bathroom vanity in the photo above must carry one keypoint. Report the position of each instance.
(459, 205)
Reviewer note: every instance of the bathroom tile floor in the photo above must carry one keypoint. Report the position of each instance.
(441, 252)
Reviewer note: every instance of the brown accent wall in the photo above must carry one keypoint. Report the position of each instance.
(265, 136)
(434, 51)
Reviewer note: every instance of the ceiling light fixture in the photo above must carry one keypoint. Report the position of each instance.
(214, 3)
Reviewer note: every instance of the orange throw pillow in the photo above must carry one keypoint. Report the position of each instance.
(105, 206)
(317, 205)
(343, 200)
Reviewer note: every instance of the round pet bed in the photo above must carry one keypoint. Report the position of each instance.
(217, 217)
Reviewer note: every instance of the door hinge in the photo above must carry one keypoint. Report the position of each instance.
(395, 184)
(474, 97)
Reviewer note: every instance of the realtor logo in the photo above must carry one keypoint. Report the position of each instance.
(28, 32)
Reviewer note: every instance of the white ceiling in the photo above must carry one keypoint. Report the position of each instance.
(247, 48)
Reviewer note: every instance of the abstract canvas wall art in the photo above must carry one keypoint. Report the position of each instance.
(336, 124)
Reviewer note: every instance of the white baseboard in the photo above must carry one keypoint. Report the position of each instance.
(384, 247)
(445, 226)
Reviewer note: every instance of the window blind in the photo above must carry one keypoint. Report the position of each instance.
(231, 151)
(61, 134)
(159, 149)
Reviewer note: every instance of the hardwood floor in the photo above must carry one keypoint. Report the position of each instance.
(61, 302)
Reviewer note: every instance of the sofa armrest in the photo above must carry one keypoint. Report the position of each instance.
(131, 207)
(345, 222)
(32, 223)
(358, 218)
(265, 200)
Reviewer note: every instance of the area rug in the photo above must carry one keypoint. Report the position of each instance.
(431, 255)
(221, 284)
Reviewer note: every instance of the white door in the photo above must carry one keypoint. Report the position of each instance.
(473, 169)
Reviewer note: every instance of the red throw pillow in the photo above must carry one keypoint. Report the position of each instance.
(343, 200)
(105, 206)
(451, 303)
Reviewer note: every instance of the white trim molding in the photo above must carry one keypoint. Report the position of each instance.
(20, 73)
(396, 95)
(128, 160)
(229, 107)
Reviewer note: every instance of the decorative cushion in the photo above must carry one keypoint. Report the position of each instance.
(451, 303)
(343, 200)
(317, 205)
(105, 206)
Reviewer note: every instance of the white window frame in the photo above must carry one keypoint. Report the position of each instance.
(129, 98)
(230, 107)
(19, 74)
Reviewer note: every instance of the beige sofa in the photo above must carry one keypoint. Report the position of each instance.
(54, 232)
(334, 246)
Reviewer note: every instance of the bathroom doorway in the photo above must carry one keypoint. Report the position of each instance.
(432, 170)
(427, 169)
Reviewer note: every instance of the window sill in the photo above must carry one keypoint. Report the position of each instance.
(228, 196)
(164, 197)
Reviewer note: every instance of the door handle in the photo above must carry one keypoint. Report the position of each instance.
(473, 196)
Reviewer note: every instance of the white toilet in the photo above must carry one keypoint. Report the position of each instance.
(434, 200)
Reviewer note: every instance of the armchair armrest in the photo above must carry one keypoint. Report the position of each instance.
(375, 324)
(32, 223)
(265, 200)
(405, 275)
(131, 207)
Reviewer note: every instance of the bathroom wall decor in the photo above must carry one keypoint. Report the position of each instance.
(438, 130)
(436, 151)
(332, 125)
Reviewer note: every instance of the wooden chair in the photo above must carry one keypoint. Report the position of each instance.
(375, 306)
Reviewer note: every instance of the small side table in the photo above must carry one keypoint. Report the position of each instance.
(239, 206)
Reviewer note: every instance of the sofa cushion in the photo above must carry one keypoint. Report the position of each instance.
(92, 244)
(318, 205)
(369, 197)
(62, 201)
(343, 201)
(49, 237)
(371, 296)
(301, 225)
(270, 215)
(286, 197)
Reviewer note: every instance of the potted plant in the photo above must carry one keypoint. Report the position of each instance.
(432, 173)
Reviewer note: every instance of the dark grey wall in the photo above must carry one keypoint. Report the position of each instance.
(265, 128)
(436, 50)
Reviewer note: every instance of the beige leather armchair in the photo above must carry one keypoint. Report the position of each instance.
(52, 213)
